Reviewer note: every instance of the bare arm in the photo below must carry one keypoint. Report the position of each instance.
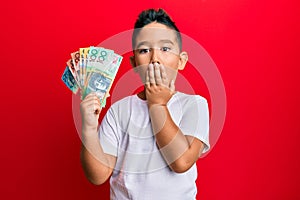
(97, 165)
(179, 151)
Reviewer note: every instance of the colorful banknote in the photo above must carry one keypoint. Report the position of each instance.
(75, 57)
(92, 69)
(99, 58)
(83, 52)
(99, 84)
(69, 80)
(73, 71)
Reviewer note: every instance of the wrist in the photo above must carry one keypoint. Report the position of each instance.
(153, 105)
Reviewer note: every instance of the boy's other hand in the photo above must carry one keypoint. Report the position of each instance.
(90, 109)
(158, 88)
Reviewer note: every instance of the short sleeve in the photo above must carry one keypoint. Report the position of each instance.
(108, 133)
(195, 119)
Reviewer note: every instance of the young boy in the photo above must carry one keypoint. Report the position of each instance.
(149, 142)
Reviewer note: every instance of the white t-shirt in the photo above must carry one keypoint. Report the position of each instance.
(141, 173)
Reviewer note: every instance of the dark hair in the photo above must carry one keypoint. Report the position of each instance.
(159, 16)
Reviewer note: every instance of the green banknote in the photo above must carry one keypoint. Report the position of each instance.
(99, 59)
(92, 69)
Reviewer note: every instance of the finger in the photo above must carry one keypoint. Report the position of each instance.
(147, 83)
(93, 108)
(172, 86)
(157, 74)
(89, 96)
(97, 111)
(97, 107)
(151, 74)
(92, 103)
(163, 75)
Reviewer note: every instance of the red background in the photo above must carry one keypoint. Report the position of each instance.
(254, 43)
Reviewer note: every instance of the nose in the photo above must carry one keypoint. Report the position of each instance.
(155, 56)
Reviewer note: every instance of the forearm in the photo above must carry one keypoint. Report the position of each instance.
(96, 164)
(178, 150)
(175, 147)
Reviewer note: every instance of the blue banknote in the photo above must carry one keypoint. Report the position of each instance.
(69, 80)
(98, 83)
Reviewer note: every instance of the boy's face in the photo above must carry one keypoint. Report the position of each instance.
(158, 43)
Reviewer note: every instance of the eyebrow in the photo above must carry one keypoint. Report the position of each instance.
(142, 43)
(160, 41)
(166, 41)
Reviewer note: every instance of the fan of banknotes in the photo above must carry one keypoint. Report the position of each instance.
(92, 69)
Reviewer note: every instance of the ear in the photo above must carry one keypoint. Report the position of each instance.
(183, 58)
(132, 63)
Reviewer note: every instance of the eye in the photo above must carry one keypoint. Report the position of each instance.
(143, 51)
(165, 48)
